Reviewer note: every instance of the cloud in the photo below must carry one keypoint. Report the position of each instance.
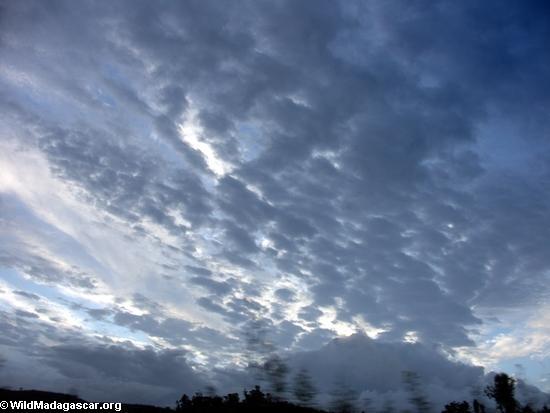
(27, 295)
(373, 370)
(378, 366)
(216, 287)
(104, 367)
(99, 368)
(175, 171)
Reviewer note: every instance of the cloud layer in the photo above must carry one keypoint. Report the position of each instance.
(173, 172)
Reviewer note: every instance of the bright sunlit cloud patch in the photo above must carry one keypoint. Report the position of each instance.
(192, 133)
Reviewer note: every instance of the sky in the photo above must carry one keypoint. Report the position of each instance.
(363, 186)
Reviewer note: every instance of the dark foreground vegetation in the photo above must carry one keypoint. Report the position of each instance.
(48, 397)
(254, 401)
(502, 392)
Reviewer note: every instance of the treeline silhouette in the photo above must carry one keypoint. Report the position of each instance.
(502, 392)
(254, 400)
(8, 395)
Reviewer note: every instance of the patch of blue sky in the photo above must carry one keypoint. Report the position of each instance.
(114, 331)
(104, 97)
(531, 369)
(35, 100)
(505, 145)
(64, 244)
(252, 140)
(166, 152)
(111, 71)
(18, 282)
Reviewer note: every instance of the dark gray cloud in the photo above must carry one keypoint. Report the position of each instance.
(176, 331)
(216, 287)
(21, 256)
(374, 370)
(368, 365)
(164, 370)
(98, 368)
(285, 294)
(27, 295)
(25, 314)
(124, 178)
(156, 322)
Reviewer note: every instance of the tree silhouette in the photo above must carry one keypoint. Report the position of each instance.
(258, 347)
(263, 360)
(255, 397)
(455, 407)
(417, 398)
(388, 406)
(344, 398)
(367, 405)
(232, 401)
(276, 371)
(304, 391)
(527, 409)
(502, 392)
(255, 400)
(478, 407)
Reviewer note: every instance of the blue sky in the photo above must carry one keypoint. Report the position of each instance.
(350, 175)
